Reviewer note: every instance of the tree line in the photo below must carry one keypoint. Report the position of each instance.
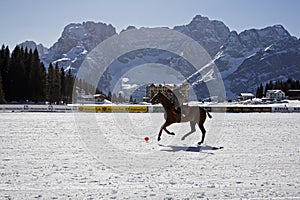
(23, 77)
(277, 85)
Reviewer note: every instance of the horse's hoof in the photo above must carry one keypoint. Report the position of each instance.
(199, 143)
(183, 138)
(172, 133)
(158, 139)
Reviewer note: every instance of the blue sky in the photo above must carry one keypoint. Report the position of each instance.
(44, 20)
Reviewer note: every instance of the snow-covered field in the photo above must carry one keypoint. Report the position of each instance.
(105, 156)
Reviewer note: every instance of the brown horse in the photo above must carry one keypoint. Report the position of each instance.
(196, 115)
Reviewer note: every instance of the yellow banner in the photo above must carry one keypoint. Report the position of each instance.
(138, 109)
(113, 109)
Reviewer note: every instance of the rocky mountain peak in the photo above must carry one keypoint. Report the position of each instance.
(200, 19)
(76, 41)
(32, 45)
(129, 28)
(86, 34)
(254, 38)
(256, 56)
(211, 34)
(244, 59)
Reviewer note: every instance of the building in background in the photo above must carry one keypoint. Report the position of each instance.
(155, 88)
(276, 95)
(245, 96)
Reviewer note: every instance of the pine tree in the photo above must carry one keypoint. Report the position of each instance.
(16, 74)
(36, 78)
(62, 84)
(109, 96)
(2, 99)
(27, 73)
(114, 98)
(279, 85)
(266, 89)
(120, 98)
(260, 91)
(4, 62)
(56, 84)
(49, 84)
(131, 99)
(69, 85)
(289, 83)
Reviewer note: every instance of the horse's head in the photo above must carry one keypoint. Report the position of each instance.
(156, 98)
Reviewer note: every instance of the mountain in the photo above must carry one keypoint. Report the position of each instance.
(32, 45)
(210, 34)
(76, 41)
(257, 56)
(244, 59)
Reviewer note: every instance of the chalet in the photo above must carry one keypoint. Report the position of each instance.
(99, 97)
(275, 95)
(245, 96)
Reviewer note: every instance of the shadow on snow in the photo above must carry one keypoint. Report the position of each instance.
(190, 148)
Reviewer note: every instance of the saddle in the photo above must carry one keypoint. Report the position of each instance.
(182, 111)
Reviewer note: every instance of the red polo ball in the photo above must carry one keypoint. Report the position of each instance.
(146, 139)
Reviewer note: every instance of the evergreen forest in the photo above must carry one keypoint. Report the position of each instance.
(277, 85)
(24, 78)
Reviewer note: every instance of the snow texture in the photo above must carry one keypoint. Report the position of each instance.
(246, 156)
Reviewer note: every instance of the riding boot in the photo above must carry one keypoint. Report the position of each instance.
(178, 114)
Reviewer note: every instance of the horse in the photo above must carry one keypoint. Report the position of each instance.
(196, 115)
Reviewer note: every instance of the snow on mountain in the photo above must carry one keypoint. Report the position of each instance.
(144, 67)
(244, 59)
(211, 34)
(76, 41)
(257, 56)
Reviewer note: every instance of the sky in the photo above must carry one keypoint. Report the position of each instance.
(43, 20)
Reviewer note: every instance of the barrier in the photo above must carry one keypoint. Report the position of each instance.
(243, 109)
(113, 108)
(160, 109)
(35, 108)
(138, 109)
(286, 109)
(296, 109)
(238, 109)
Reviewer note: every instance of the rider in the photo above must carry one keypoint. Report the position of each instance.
(176, 97)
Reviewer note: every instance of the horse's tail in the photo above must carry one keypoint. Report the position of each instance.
(208, 114)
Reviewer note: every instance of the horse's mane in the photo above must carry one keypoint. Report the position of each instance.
(169, 102)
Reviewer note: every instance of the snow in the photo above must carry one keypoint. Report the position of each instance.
(140, 75)
(61, 60)
(46, 156)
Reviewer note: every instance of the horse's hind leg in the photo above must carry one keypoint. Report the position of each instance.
(159, 134)
(203, 133)
(193, 129)
(201, 125)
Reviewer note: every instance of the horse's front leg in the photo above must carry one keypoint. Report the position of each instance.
(170, 133)
(159, 134)
(164, 127)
